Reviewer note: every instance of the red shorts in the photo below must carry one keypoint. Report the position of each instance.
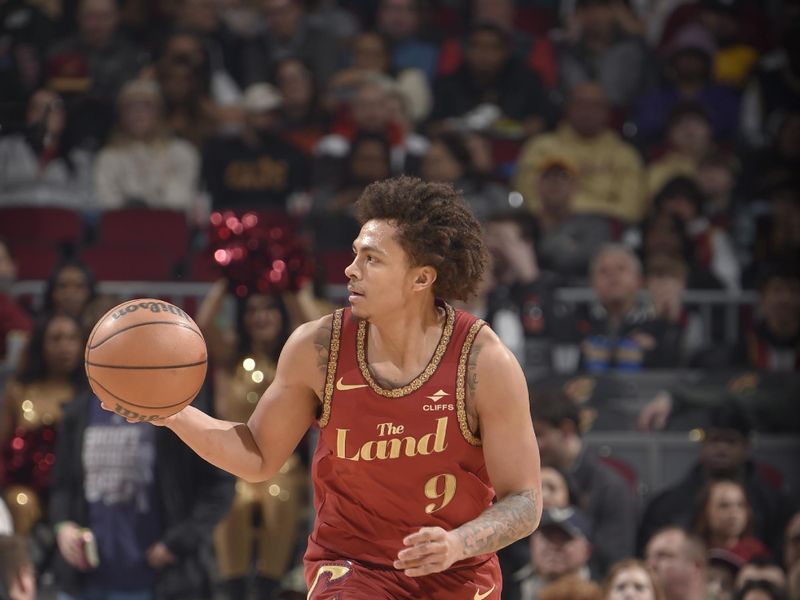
(349, 580)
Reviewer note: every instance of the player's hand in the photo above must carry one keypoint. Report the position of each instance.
(429, 550)
(158, 556)
(70, 543)
(162, 422)
(656, 412)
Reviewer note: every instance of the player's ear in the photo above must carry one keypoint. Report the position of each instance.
(425, 277)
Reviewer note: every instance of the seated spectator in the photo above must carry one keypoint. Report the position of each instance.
(567, 240)
(290, 32)
(771, 89)
(717, 175)
(371, 54)
(143, 165)
(368, 161)
(665, 280)
(759, 590)
(525, 292)
(223, 47)
(50, 375)
(610, 175)
(688, 78)
(791, 554)
(726, 452)
(722, 569)
(17, 575)
(620, 329)
(559, 548)
(39, 166)
(602, 494)
(400, 21)
(776, 235)
(631, 579)
(602, 50)
(15, 324)
(761, 568)
(772, 342)
(681, 197)
(371, 111)
(678, 560)
(449, 160)
(69, 289)
(27, 31)
(571, 588)
(688, 142)
(557, 489)
(184, 76)
(96, 61)
(666, 235)
(146, 501)
(491, 75)
(302, 123)
(724, 519)
(256, 170)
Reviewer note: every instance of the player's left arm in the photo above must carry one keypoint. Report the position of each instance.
(498, 395)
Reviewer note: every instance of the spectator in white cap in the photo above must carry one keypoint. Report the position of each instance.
(256, 170)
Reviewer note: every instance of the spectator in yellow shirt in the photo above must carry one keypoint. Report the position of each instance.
(611, 173)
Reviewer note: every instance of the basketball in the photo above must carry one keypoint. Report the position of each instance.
(146, 359)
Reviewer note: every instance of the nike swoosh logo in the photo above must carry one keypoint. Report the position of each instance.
(479, 596)
(343, 387)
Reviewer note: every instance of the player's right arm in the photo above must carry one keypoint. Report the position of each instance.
(256, 450)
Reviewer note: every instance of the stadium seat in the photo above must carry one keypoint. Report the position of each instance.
(51, 226)
(165, 230)
(129, 263)
(34, 260)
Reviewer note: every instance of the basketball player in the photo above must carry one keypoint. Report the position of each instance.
(423, 415)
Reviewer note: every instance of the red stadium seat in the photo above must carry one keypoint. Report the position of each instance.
(165, 230)
(203, 268)
(41, 225)
(128, 263)
(333, 264)
(34, 261)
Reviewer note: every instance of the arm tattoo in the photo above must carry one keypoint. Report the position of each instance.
(472, 368)
(322, 343)
(508, 520)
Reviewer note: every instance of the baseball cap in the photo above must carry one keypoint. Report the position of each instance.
(558, 162)
(725, 558)
(260, 97)
(570, 520)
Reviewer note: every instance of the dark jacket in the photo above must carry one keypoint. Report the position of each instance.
(676, 506)
(609, 502)
(194, 497)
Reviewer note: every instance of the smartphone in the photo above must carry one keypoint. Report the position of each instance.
(90, 548)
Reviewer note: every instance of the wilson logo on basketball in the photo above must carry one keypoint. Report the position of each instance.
(154, 307)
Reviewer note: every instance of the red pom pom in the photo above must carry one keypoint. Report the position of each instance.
(259, 252)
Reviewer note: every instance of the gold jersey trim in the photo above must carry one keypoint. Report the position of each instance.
(418, 382)
(330, 374)
(461, 376)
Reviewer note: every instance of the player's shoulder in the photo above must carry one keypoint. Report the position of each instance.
(313, 332)
(489, 351)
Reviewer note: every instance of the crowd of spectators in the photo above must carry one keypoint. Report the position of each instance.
(644, 152)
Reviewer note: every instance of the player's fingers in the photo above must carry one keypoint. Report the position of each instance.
(425, 569)
(421, 550)
(426, 534)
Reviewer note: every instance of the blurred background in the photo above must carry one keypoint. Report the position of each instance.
(634, 164)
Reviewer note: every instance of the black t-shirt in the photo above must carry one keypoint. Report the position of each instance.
(240, 176)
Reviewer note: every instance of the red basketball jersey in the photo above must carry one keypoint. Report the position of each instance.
(390, 461)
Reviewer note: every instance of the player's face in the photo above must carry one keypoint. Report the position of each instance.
(380, 278)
